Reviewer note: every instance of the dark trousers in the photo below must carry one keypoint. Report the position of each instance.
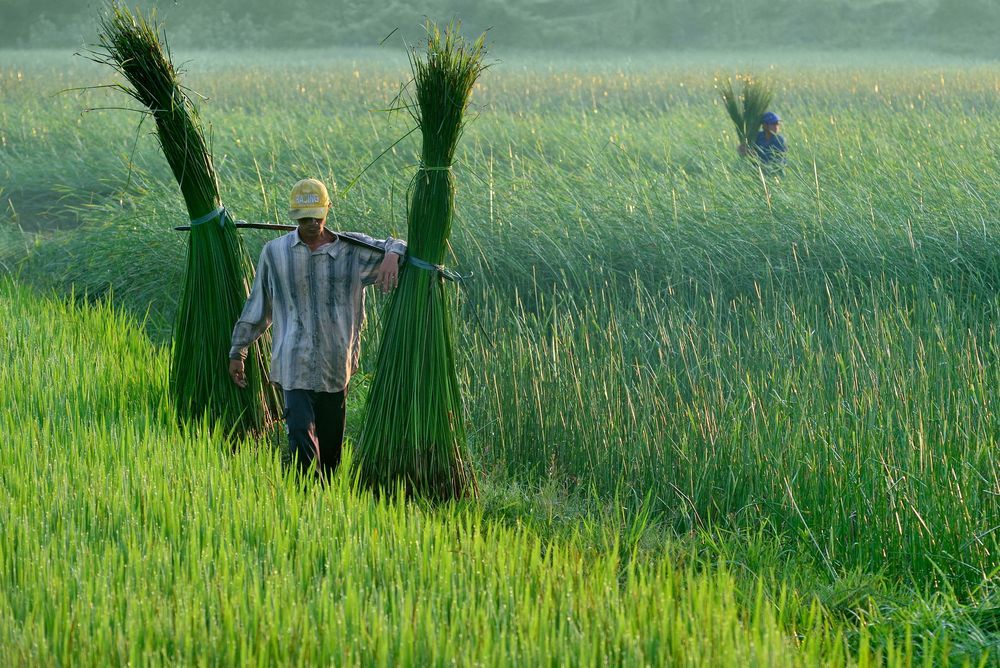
(315, 425)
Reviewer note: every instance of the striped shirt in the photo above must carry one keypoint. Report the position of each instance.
(316, 302)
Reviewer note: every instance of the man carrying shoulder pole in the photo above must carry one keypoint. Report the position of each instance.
(310, 285)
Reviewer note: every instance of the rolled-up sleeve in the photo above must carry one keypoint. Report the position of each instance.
(397, 246)
(369, 259)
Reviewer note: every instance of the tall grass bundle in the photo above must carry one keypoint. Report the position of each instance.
(413, 433)
(218, 267)
(747, 109)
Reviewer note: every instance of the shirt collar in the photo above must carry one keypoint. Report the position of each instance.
(332, 249)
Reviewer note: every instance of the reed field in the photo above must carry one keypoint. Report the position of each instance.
(718, 416)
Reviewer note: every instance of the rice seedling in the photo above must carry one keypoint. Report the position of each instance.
(414, 431)
(216, 279)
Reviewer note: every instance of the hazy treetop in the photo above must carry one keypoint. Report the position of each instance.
(957, 26)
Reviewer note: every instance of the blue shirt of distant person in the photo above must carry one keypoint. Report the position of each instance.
(769, 146)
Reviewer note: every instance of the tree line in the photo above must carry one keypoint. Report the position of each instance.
(961, 26)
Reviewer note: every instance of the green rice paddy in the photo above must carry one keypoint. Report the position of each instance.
(721, 417)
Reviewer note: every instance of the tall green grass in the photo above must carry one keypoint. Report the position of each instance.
(860, 422)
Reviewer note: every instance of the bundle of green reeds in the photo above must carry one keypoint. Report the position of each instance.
(413, 435)
(747, 109)
(218, 267)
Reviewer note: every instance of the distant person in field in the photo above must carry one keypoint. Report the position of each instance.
(769, 147)
(310, 285)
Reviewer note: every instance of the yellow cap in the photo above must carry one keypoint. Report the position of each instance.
(309, 200)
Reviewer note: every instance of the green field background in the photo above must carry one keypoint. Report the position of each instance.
(722, 416)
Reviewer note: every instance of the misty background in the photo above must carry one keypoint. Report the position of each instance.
(969, 27)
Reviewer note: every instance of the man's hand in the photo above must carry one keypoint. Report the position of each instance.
(236, 372)
(387, 274)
